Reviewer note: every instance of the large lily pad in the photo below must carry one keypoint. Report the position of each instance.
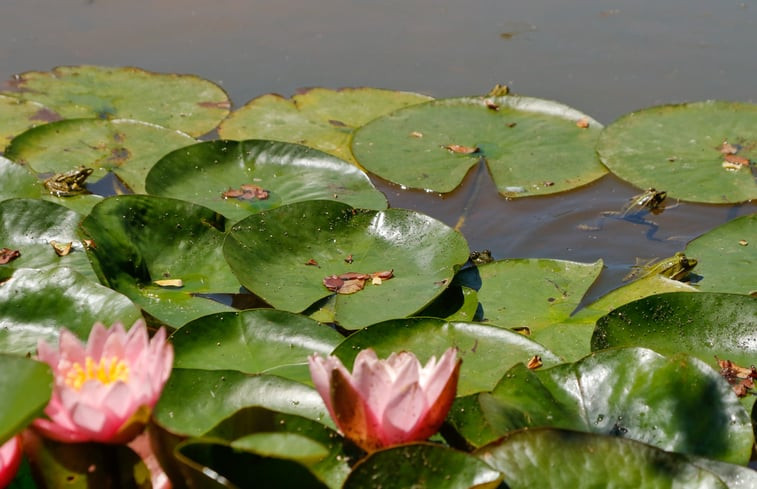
(677, 404)
(35, 304)
(706, 325)
(125, 147)
(194, 400)
(16, 116)
(18, 181)
(727, 257)
(141, 239)
(487, 352)
(533, 293)
(284, 254)
(25, 387)
(320, 118)
(681, 149)
(422, 465)
(184, 102)
(531, 146)
(587, 461)
(33, 226)
(208, 172)
(253, 341)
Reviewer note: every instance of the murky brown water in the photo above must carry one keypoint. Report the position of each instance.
(605, 58)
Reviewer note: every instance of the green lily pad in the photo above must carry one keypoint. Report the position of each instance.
(283, 255)
(680, 148)
(16, 116)
(282, 445)
(533, 293)
(320, 118)
(487, 352)
(638, 289)
(141, 239)
(18, 181)
(726, 256)
(35, 304)
(25, 387)
(586, 461)
(253, 341)
(531, 146)
(194, 400)
(31, 226)
(207, 174)
(422, 465)
(677, 404)
(125, 147)
(707, 325)
(184, 102)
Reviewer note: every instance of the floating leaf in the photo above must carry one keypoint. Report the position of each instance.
(17, 181)
(205, 173)
(487, 352)
(531, 146)
(604, 461)
(125, 147)
(533, 293)
(422, 465)
(726, 257)
(268, 252)
(677, 404)
(16, 116)
(140, 239)
(679, 148)
(253, 341)
(25, 387)
(184, 102)
(31, 226)
(194, 400)
(706, 325)
(320, 118)
(35, 304)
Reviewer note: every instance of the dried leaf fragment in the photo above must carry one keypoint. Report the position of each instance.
(351, 282)
(311, 263)
(535, 362)
(89, 244)
(247, 191)
(583, 123)
(743, 388)
(348, 259)
(743, 242)
(7, 255)
(499, 90)
(416, 134)
(61, 249)
(463, 150)
(727, 148)
(740, 160)
(491, 105)
(169, 282)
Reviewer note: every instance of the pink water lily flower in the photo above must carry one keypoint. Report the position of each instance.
(10, 459)
(387, 402)
(105, 389)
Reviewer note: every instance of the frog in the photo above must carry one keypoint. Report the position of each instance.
(68, 183)
(651, 200)
(677, 267)
(481, 257)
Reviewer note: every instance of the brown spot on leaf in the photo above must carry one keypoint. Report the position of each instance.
(491, 105)
(511, 124)
(7, 255)
(348, 259)
(45, 115)
(583, 123)
(311, 263)
(416, 134)
(119, 156)
(464, 150)
(225, 105)
(337, 123)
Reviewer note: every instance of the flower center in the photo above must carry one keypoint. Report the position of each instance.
(105, 371)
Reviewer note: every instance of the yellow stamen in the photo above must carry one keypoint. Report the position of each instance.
(106, 371)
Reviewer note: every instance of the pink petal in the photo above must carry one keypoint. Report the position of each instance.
(120, 402)
(438, 409)
(98, 335)
(320, 373)
(402, 414)
(10, 459)
(70, 347)
(352, 415)
(434, 375)
(55, 431)
(373, 378)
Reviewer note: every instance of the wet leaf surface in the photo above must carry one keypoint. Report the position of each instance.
(25, 387)
(680, 148)
(16, 116)
(604, 461)
(678, 403)
(320, 117)
(263, 249)
(206, 172)
(524, 143)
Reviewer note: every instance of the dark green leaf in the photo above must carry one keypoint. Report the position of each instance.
(25, 387)
(209, 173)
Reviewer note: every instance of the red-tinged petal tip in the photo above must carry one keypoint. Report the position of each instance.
(10, 459)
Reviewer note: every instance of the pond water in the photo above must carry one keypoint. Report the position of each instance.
(605, 58)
